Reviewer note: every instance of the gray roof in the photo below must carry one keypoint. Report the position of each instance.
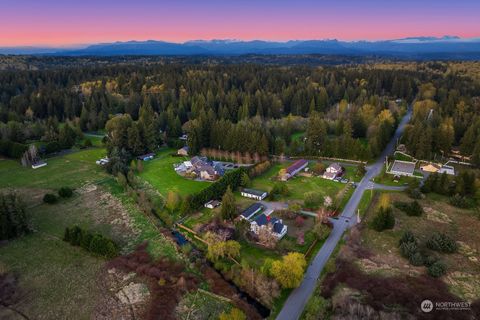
(255, 192)
(403, 166)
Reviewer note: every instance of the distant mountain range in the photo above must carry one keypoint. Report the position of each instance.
(447, 47)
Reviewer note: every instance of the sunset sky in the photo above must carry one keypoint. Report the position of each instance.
(69, 23)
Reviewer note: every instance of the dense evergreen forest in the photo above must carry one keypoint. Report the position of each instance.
(256, 108)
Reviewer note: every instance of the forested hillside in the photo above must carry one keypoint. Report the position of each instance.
(345, 111)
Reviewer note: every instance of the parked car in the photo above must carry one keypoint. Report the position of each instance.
(344, 181)
(338, 179)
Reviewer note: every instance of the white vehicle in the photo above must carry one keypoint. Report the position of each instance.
(102, 161)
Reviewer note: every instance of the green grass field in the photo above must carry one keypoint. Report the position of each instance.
(298, 185)
(161, 175)
(388, 179)
(95, 139)
(57, 281)
(73, 170)
(298, 136)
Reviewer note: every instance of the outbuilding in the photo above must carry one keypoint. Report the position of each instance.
(212, 204)
(146, 157)
(254, 194)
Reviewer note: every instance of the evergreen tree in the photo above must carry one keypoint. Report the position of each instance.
(229, 207)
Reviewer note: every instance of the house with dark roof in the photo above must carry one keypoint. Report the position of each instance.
(254, 194)
(248, 213)
(295, 168)
(273, 225)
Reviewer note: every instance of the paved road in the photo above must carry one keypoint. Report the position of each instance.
(295, 303)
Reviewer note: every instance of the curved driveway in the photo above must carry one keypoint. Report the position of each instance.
(297, 300)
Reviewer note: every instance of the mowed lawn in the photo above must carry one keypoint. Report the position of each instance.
(73, 170)
(298, 185)
(160, 173)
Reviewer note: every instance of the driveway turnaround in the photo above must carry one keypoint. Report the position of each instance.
(293, 307)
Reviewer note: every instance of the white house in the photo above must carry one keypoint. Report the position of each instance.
(273, 225)
(212, 204)
(254, 194)
(447, 169)
(334, 170)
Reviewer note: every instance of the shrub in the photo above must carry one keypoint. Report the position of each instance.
(437, 269)
(65, 192)
(415, 193)
(384, 219)
(50, 198)
(408, 245)
(279, 189)
(13, 218)
(52, 147)
(94, 243)
(318, 168)
(416, 259)
(312, 200)
(317, 308)
(299, 221)
(429, 260)
(412, 209)
(407, 236)
(459, 201)
(408, 249)
(87, 143)
(442, 243)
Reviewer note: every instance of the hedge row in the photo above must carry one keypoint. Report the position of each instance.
(12, 149)
(94, 243)
(217, 189)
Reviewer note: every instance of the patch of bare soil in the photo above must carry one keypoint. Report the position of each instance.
(436, 216)
(123, 296)
(106, 209)
(392, 295)
(383, 265)
(467, 251)
(167, 282)
(464, 284)
(347, 304)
